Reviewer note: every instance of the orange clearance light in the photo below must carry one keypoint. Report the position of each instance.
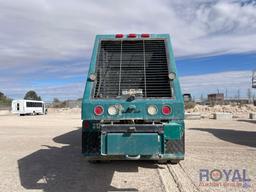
(119, 35)
(145, 35)
(98, 110)
(132, 35)
(166, 110)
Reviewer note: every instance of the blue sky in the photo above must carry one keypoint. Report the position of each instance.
(224, 73)
(46, 45)
(216, 64)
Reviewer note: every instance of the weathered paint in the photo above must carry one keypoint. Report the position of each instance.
(176, 102)
(148, 145)
(130, 144)
(173, 131)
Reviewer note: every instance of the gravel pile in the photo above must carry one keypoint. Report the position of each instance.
(236, 110)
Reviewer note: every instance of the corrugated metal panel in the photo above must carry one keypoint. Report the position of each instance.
(132, 64)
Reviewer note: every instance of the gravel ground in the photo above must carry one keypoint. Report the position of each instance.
(42, 153)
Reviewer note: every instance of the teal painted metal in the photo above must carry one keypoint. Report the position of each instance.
(176, 103)
(130, 144)
(149, 145)
(173, 131)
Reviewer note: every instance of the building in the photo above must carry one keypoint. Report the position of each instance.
(187, 97)
(216, 98)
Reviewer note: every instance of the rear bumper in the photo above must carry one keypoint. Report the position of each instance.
(142, 157)
(129, 128)
(133, 142)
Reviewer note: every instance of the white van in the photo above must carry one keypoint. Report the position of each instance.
(24, 107)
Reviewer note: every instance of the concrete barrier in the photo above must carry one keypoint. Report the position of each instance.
(252, 116)
(222, 116)
(193, 116)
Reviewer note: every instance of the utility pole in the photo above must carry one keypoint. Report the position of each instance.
(254, 84)
(249, 95)
(254, 79)
(238, 94)
(202, 97)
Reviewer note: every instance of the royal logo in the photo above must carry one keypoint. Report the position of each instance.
(224, 178)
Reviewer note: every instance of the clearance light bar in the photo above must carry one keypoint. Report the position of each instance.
(132, 35)
(145, 35)
(119, 35)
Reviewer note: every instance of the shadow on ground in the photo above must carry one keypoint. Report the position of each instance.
(64, 168)
(248, 120)
(246, 138)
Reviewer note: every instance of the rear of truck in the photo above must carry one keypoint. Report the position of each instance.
(132, 106)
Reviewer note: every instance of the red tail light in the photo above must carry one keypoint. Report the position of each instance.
(132, 35)
(98, 110)
(166, 110)
(119, 35)
(144, 35)
(86, 124)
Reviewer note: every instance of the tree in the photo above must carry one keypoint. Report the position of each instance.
(56, 100)
(1, 95)
(32, 95)
(4, 100)
(59, 104)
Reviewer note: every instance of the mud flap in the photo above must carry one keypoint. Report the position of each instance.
(91, 142)
(174, 138)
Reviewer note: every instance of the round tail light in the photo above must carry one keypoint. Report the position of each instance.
(152, 110)
(112, 110)
(98, 110)
(166, 110)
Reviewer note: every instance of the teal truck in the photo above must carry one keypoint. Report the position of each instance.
(132, 106)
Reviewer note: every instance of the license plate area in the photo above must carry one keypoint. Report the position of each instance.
(130, 144)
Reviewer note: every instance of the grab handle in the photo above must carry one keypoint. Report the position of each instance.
(132, 157)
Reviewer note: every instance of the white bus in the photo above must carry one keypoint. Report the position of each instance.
(23, 107)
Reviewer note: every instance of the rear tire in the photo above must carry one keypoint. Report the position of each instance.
(174, 161)
(162, 161)
(94, 161)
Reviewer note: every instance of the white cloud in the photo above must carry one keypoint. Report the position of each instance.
(35, 33)
(232, 81)
(47, 29)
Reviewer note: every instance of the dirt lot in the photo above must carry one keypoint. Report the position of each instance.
(42, 153)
